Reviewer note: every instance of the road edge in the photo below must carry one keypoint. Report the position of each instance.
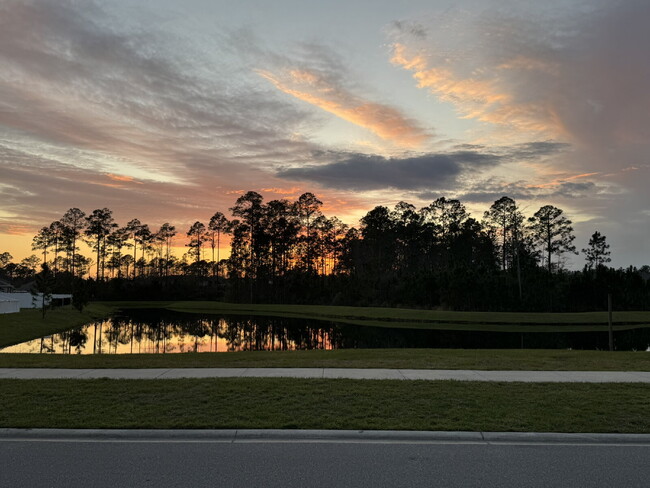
(277, 435)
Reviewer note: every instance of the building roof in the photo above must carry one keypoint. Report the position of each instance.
(5, 285)
(27, 286)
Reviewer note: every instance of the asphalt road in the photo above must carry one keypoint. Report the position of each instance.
(303, 462)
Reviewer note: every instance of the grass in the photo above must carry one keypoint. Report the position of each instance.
(478, 359)
(28, 323)
(410, 318)
(324, 404)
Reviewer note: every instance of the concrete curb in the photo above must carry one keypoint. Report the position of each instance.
(331, 373)
(276, 435)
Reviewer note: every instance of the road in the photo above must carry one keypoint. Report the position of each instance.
(195, 461)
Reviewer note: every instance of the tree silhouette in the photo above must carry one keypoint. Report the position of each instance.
(29, 264)
(307, 209)
(218, 225)
(99, 225)
(80, 294)
(42, 241)
(73, 222)
(505, 218)
(281, 224)
(598, 252)
(117, 241)
(57, 238)
(249, 208)
(197, 238)
(140, 233)
(409, 236)
(43, 287)
(444, 221)
(167, 233)
(288, 251)
(132, 228)
(552, 232)
(5, 259)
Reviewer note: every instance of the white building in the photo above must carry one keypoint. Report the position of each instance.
(24, 299)
(8, 305)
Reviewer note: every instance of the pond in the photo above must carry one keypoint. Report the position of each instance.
(161, 331)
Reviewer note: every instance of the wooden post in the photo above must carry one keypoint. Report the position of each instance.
(609, 321)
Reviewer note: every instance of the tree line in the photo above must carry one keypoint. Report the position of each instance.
(289, 251)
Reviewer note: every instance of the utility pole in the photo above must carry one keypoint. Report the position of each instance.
(609, 321)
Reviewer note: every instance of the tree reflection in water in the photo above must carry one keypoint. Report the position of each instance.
(162, 331)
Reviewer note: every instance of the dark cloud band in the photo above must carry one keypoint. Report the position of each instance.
(429, 171)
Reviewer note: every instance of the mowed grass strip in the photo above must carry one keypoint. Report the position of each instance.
(29, 324)
(475, 359)
(324, 404)
(379, 316)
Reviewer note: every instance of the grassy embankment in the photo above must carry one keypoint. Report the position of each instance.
(414, 318)
(478, 359)
(29, 324)
(328, 404)
(325, 404)
(15, 328)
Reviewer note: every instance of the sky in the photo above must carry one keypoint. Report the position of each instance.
(167, 111)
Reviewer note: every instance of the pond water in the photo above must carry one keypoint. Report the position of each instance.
(161, 331)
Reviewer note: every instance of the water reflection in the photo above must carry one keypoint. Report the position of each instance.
(161, 331)
(177, 333)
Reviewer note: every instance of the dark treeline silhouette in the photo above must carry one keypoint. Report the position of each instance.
(282, 251)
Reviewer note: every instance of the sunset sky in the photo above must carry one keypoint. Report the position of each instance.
(167, 111)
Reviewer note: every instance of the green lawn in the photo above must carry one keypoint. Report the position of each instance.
(28, 323)
(480, 359)
(395, 317)
(325, 404)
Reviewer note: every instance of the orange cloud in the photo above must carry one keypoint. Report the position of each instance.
(16, 229)
(119, 177)
(482, 97)
(583, 175)
(443, 82)
(119, 180)
(384, 121)
(558, 181)
(530, 64)
(282, 191)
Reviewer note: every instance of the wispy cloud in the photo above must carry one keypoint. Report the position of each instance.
(490, 190)
(91, 111)
(480, 96)
(316, 89)
(578, 76)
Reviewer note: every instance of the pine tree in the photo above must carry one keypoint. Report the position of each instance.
(597, 254)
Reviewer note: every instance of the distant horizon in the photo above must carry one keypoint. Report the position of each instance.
(573, 262)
